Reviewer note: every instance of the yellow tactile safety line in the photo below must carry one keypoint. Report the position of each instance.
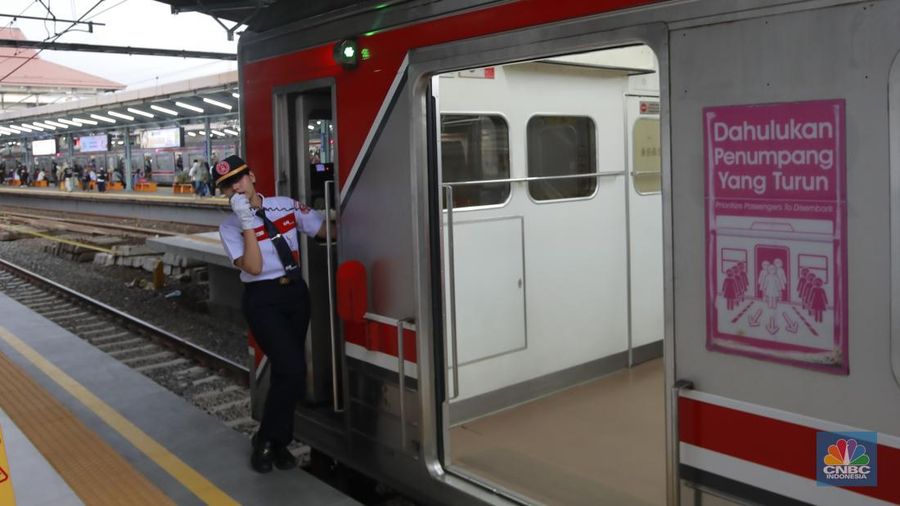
(7, 495)
(184, 474)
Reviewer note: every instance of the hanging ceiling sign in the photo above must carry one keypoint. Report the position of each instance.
(93, 143)
(776, 232)
(43, 147)
(161, 138)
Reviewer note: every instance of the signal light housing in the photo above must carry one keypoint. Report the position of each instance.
(346, 53)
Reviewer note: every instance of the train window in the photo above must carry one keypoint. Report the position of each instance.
(561, 146)
(475, 147)
(646, 151)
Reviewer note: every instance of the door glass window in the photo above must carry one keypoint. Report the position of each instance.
(475, 147)
(561, 146)
(647, 156)
(321, 141)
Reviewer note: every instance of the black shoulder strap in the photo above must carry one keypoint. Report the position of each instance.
(281, 246)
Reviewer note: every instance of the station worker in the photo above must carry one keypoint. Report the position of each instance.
(261, 239)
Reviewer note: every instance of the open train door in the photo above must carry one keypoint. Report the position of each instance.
(549, 209)
(305, 137)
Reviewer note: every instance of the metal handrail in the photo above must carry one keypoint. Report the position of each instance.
(535, 178)
(402, 324)
(452, 296)
(674, 485)
(329, 187)
(401, 376)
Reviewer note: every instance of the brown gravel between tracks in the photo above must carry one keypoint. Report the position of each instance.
(185, 316)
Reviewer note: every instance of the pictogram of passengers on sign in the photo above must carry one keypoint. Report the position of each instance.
(776, 228)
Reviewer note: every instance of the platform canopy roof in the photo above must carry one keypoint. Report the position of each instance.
(27, 80)
(262, 15)
(187, 103)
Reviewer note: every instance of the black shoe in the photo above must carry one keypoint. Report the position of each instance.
(284, 459)
(262, 457)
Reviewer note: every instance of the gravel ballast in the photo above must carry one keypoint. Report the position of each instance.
(185, 316)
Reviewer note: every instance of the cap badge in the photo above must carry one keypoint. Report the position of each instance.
(223, 168)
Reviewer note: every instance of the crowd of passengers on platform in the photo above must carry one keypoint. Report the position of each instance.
(94, 176)
(69, 178)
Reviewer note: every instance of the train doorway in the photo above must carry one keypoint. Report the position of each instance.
(553, 277)
(305, 171)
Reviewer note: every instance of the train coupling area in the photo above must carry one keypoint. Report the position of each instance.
(79, 427)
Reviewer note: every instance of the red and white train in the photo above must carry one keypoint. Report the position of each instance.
(621, 252)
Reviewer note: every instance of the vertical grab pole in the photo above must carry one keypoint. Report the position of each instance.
(401, 376)
(452, 275)
(329, 187)
(674, 484)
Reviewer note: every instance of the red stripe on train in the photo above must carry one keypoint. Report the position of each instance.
(361, 91)
(375, 336)
(773, 443)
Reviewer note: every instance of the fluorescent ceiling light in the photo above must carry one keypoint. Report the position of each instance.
(30, 128)
(223, 105)
(17, 129)
(87, 121)
(229, 131)
(192, 134)
(201, 132)
(103, 118)
(7, 130)
(57, 125)
(163, 109)
(69, 122)
(142, 113)
(217, 133)
(236, 95)
(35, 123)
(188, 107)
(120, 115)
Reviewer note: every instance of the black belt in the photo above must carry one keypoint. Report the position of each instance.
(282, 281)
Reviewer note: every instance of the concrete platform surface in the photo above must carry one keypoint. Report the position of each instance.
(161, 435)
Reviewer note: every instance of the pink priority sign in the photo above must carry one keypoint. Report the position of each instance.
(776, 228)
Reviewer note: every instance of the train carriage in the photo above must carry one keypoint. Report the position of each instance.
(623, 252)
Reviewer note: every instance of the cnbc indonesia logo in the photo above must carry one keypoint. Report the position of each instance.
(847, 459)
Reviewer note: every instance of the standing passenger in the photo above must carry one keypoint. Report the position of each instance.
(68, 177)
(261, 239)
(101, 180)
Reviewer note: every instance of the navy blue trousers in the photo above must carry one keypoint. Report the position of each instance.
(278, 316)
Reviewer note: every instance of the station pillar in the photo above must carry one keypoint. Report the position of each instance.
(128, 185)
(70, 150)
(208, 142)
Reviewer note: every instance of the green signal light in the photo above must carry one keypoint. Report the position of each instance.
(365, 53)
(346, 54)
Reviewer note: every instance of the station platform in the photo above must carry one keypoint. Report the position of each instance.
(225, 286)
(161, 204)
(81, 428)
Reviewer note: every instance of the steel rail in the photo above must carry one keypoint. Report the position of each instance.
(112, 226)
(204, 357)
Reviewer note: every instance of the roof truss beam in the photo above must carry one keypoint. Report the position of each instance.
(94, 48)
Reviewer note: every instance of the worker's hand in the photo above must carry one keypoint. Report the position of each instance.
(241, 207)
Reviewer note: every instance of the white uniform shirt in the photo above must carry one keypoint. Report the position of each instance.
(287, 215)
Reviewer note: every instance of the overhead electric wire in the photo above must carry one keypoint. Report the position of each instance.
(9, 25)
(106, 10)
(48, 39)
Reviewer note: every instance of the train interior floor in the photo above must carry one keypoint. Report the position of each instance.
(601, 442)
(80, 427)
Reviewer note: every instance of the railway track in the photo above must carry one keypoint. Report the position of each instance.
(209, 381)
